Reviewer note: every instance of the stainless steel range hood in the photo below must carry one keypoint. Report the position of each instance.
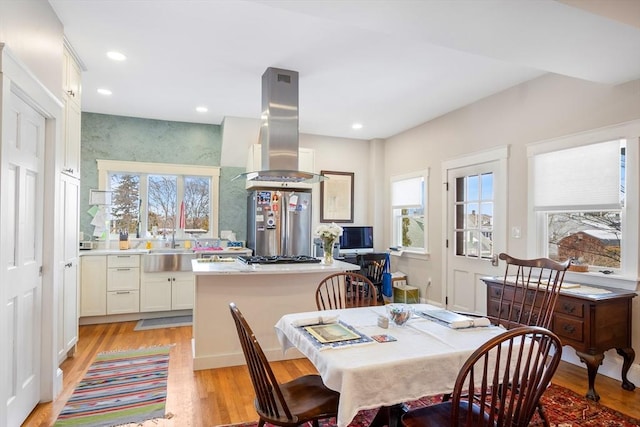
(279, 131)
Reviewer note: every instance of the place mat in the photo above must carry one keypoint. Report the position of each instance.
(362, 338)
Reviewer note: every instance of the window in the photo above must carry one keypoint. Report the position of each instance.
(579, 199)
(408, 205)
(153, 199)
(474, 207)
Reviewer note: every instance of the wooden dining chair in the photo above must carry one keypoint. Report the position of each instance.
(288, 404)
(372, 266)
(530, 289)
(500, 384)
(345, 290)
(529, 292)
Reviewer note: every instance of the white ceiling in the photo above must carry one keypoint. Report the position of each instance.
(389, 65)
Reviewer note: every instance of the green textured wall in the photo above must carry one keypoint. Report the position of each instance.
(134, 139)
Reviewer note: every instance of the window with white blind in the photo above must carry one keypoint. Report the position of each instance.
(579, 204)
(408, 206)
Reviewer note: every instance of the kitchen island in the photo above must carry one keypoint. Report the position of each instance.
(263, 293)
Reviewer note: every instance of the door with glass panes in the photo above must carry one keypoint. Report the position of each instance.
(476, 210)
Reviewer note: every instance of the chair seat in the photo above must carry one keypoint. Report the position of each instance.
(309, 398)
(439, 415)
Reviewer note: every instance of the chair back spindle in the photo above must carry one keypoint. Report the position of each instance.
(345, 290)
(499, 385)
(530, 291)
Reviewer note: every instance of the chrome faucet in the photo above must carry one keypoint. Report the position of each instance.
(173, 231)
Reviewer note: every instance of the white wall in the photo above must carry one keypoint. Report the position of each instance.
(547, 107)
(31, 29)
(345, 155)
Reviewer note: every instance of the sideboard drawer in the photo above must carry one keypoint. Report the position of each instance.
(495, 310)
(570, 307)
(568, 327)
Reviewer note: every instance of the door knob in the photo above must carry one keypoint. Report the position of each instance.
(494, 260)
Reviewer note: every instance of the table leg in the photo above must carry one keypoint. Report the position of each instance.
(593, 361)
(628, 354)
(389, 416)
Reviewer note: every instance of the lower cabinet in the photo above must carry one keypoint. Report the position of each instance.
(109, 284)
(166, 291)
(115, 284)
(121, 302)
(93, 285)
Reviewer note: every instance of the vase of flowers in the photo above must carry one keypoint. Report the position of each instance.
(328, 234)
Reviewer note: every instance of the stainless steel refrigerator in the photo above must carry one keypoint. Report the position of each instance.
(279, 222)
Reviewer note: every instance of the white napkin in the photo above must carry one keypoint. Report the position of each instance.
(471, 323)
(317, 320)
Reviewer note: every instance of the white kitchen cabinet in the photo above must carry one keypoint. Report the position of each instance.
(71, 76)
(67, 336)
(122, 302)
(93, 289)
(183, 291)
(166, 291)
(123, 284)
(70, 153)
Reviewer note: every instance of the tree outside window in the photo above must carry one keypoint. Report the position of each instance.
(125, 204)
(162, 202)
(150, 204)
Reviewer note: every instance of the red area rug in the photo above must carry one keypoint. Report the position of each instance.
(563, 407)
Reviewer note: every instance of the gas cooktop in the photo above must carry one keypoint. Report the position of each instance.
(278, 259)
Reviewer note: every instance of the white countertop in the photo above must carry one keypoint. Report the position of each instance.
(243, 251)
(237, 267)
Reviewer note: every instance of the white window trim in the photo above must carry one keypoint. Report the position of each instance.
(106, 166)
(628, 277)
(413, 253)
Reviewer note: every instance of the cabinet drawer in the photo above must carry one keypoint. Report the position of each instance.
(567, 327)
(570, 307)
(124, 278)
(123, 261)
(494, 309)
(120, 302)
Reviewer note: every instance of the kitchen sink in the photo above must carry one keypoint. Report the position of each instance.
(168, 260)
(170, 251)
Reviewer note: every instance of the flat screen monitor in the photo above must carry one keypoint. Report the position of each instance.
(356, 239)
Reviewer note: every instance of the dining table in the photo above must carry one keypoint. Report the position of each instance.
(420, 358)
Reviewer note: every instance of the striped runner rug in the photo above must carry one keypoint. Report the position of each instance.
(119, 388)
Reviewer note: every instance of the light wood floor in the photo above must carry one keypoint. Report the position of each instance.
(222, 396)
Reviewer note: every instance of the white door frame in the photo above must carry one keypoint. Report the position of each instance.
(498, 154)
(15, 76)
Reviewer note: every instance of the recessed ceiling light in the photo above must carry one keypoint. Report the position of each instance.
(356, 126)
(116, 56)
(104, 92)
(202, 109)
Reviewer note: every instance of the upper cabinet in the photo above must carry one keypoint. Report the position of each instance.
(71, 77)
(72, 89)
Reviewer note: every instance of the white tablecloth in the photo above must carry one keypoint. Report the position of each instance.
(425, 359)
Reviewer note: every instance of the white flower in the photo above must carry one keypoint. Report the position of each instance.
(329, 232)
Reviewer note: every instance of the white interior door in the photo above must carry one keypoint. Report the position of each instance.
(475, 227)
(21, 254)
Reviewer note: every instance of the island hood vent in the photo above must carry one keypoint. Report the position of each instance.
(279, 131)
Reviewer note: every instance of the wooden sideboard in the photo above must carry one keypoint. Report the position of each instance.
(591, 323)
